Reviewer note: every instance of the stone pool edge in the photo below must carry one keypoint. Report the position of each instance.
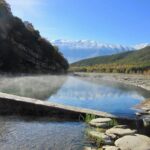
(12, 105)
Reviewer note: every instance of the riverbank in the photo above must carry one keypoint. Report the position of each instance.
(144, 105)
(142, 81)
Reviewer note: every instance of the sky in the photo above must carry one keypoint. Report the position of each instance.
(124, 22)
(88, 28)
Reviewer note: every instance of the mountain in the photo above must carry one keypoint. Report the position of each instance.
(82, 49)
(131, 61)
(23, 50)
(75, 50)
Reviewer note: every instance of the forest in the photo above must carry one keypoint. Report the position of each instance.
(137, 61)
(23, 49)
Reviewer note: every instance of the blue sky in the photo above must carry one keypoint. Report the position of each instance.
(110, 21)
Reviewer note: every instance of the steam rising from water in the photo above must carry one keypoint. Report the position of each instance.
(40, 87)
(97, 94)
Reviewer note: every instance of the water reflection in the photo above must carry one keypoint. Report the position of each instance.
(40, 87)
(86, 92)
(111, 97)
(122, 87)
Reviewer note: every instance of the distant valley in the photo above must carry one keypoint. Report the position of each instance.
(125, 62)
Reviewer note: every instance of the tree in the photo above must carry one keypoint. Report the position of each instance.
(4, 8)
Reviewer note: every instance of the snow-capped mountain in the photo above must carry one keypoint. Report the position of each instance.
(81, 49)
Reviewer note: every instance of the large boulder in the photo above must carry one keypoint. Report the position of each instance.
(120, 131)
(107, 147)
(89, 148)
(146, 120)
(133, 142)
(100, 122)
(100, 137)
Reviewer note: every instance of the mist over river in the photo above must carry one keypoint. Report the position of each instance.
(49, 133)
(108, 96)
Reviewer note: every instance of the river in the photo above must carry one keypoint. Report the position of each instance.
(25, 133)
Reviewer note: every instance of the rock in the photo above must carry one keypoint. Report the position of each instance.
(112, 136)
(138, 114)
(101, 137)
(133, 142)
(145, 108)
(107, 147)
(89, 148)
(120, 131)
(100, 122)
(146, 120)
(121, 126)
(143, 112)
(100, 125)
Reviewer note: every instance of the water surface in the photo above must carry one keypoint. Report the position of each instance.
(35, 134)
(86, 92)
(44, 134)
(102, 95)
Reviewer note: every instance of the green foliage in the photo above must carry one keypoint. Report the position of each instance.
(100, 142)
(130, 57)
(112, 123)
(100, 129)
(23, 50)
(127, 62)
(4, 8)
(89, 117)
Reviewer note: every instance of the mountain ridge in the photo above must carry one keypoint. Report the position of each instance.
(75, 50)
(81, 49)
(135, 60)
(23, 49)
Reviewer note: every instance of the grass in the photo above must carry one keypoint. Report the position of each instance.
(100, 142)
(100, 129)
(112, 123)
(89, 117)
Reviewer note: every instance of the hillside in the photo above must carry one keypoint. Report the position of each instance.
(131, 61)
(23, 50)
